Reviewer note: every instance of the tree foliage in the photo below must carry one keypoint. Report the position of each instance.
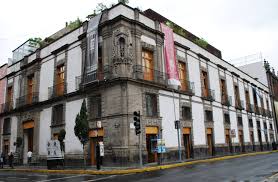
(74, 24)
(35, 42)
(123, 1)
(81, 129)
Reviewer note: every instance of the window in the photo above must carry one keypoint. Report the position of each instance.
(182, 75)
(237, 98)
(204, 80)
(122, 47)
(239, 121)
(186, 113)
(60, 79)
(10, 94)
(255, 97)
(258, 125)
(147, 61)
(224, 97)
(247, 98)
(267, 104)
(95, 107)
(271, 126)
(250, 123)
(208, 116)
(30, 89)
(151, 104)
(7, 126)
(58, 115)
(227, 118)
(265, 126)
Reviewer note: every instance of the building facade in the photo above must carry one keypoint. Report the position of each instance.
(222, 110)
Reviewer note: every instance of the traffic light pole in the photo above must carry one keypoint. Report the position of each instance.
(140, 151)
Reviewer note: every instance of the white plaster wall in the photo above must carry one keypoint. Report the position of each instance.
(242, 93)
(14, 121)
(44, 130)
(245, 123)
(166, 106)
(72, 144)
(255, 129)
(46, 79)
(73, 67)
(121, 10)
(214, 82)
(146, 21)
(194, 73)
(67, 39)
(198, 124)
(251, 95)
(148, 40)
(262, 130)
(219, 136)
(233, 119)
(32, 57)
(16, 90)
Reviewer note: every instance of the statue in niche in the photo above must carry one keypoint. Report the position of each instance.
(122, 51)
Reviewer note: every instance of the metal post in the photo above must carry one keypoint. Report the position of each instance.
(140, 145)
(178, 128)
(179, 143)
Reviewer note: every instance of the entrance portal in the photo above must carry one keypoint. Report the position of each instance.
(187, 139)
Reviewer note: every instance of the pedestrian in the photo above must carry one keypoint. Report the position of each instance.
(2, 160)
(11, 160)
(29, 156)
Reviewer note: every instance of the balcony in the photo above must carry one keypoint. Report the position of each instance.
(226, 100)
(208, 94)
(269, 114)
(249, 108)
(239, 105)
(151, 75)
(57, 90)
(187, 87)
(6, 107)
(27, 99)
(257, 110)
(263, 111)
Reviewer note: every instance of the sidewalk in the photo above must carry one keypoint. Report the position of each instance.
(122, 170)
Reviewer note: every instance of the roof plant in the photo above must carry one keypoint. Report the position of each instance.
(201, 42)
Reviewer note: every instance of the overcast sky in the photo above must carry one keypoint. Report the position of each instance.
(237, 27)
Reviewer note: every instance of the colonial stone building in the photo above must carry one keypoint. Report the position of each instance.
(117, 62)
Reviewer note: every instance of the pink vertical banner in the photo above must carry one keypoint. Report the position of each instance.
(170, 56)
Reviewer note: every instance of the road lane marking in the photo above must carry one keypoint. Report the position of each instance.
(55, 179)
(98, 179)
(17, 178)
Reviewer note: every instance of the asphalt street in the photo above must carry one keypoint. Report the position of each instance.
(252, 168)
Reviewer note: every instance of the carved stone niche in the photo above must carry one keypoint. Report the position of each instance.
(122, 52)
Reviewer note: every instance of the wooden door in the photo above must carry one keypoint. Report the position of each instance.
(182, 76)
(260, 139)
(241, 140)
(187, 145)
(223, 91)
(247, 98)
(252, 140)
(30, 89)
(228, 140)
(6, 147)
(209, 138)
(151, 144)
(205, 83)
(148, 65)
(30, 139)
(60, 79)
(93, 151)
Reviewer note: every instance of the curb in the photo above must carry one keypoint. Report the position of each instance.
(138, 170)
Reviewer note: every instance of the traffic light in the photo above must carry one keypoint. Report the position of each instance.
(137, 122)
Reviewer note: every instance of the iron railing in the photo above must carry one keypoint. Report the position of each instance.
(27, 99)
(187, 87)
(57, 90)
(147, 74)
(257, 110)
(269, 114)
(239, 104)
(226, 100)
(208, 94)
(263, 111)
(6, 107)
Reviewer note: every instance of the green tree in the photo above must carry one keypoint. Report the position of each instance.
(81, 129)
(123, 1)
